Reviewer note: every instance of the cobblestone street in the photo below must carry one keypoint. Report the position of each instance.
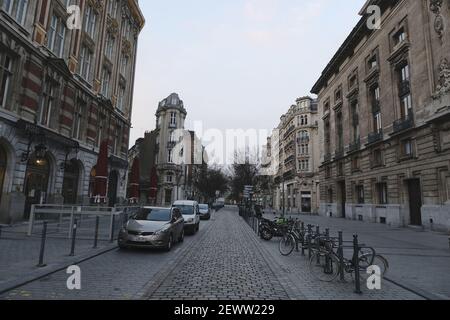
(225, 260)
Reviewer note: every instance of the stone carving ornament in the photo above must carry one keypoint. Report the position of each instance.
(439, 24)
(444, 79)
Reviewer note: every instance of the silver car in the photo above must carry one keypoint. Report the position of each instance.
(153, 228)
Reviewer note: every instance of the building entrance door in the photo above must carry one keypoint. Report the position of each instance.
(306, 202)
(415, 202)
(112, 188)
(36, 184)
(70, 183)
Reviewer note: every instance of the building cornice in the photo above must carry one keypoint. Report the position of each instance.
(137, 13)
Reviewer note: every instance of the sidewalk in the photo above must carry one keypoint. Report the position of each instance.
(19, 254)
(418, 260)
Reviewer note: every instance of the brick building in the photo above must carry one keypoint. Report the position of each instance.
(64, 92)
(384, 103)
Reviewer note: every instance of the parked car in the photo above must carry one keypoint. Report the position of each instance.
(191, 214)
(205, 212)
(153, 228)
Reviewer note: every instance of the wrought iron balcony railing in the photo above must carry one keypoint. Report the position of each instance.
(375, 136)
(404, 124)
(404, 88)
(355, 146)
(327, 157)
(339, 153)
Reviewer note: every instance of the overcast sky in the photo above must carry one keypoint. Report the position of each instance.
(235, 63)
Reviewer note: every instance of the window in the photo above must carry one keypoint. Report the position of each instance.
(360, 194)
(17, 9)
(327, 137)
(113, 5)
(303, 165)
(355, 121)
(340, 169)
(85, 63)
(377, 158)
(56, 35)
(340, 132)
(372, 63)
(172, 136)
(406, 148)
(382, 193)
(110, 42)
(121, 99)
(338, 95)
(330, 195)
(326, 106)
(117, 136)
(355, 163)
(77, 132)
(173, 119)
(90, 20)
(47, 103)
(124, 66)
(106, 83)
(170, 156)
(169, 178)
(101, 128)
(399, 36)
(377, 123)
(328, 172)
(5, 78)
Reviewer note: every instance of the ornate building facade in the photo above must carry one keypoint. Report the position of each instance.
(64, 92)
(384, 103)
(169, 156)
(294, 149)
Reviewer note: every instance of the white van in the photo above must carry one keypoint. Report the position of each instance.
(191, 215)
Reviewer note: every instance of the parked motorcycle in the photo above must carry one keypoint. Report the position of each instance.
(268, 229)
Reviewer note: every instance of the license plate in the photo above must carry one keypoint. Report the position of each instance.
(140, 239)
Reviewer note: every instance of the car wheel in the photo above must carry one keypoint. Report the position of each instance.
(198, 227)
(169, 244)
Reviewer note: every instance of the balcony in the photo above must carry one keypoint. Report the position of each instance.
(339, 153)
(289, 131)
(289, 159)
(172, 125)
(290, 144)
(327, 157)
(404, 124)
(355, 146)
(375, 137)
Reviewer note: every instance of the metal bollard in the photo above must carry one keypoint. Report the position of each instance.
(303, 238)
(74, 235)
(309, 238)
(356, 264)
(41, 263)
(341, 256)
(112, 229)
(97, 223)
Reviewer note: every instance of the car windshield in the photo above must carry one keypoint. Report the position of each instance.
(152, 215)
(203, 206)
(185, 209)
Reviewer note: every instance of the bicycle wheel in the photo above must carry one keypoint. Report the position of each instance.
(324, 266)
(366, 257)
(287, 245)
(382, 263)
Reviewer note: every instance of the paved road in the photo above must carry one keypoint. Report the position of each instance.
(225, 260)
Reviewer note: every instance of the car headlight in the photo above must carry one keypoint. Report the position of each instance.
(160, 232)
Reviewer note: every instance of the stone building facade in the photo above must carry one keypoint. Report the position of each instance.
(295, 152)
(384, 104)
(63, 92)
(174, 153)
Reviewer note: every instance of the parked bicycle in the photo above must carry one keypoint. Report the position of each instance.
(278, 228)
(325, 263)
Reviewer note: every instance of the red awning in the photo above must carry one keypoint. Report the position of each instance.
(101, 174)
(134, 181)
(153, 184)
